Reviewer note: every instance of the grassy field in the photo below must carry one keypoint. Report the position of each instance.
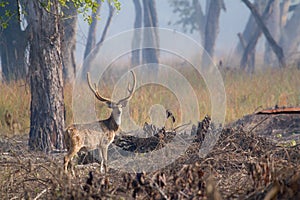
(244, 94)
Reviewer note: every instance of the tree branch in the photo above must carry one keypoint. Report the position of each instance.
(259, 20)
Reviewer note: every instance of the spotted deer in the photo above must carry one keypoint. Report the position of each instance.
(99, 134)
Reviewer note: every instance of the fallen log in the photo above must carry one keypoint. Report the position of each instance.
(280, 110)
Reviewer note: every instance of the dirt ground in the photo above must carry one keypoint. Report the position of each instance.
(256, 157)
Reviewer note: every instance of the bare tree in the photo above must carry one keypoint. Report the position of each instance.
(248, 57)
(108, 22)
(273, 25)
(212, 28)
(150, 37)
(88, 51)
(192, 18)
(91, 39)
(136, 41)
(250, 62)
(275, 47)
(280, 27)
(248, 32)
(46, 81)
(212, 25)
(284, 10)
(290, 37)
(69, 25)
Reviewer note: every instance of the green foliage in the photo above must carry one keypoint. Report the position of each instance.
(5, 14)
(117, 4)
(84, 7)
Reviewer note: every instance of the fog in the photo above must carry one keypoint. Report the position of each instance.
(231, 22)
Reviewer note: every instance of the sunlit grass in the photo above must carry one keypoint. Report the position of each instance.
(244, 95)
(15, 98)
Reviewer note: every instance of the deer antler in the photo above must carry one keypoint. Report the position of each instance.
(131, 91)
(96, 91)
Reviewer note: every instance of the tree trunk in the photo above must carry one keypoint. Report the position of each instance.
(13, 43)
(108, 22)
(93, 54)
(150, 37)
(290, 38)
(249, 50)
(275, 47)
(211, 29)
(273, 25)
(47, 104)
(200, 18)
(284, 10)
(248, 31)
(91, 39)
(136, 40)
(247, 35)
(69, 42)
(251, 59)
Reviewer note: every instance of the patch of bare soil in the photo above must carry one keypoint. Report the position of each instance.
(246, 163)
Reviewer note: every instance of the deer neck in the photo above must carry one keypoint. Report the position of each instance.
(113, 124)
(117, 119)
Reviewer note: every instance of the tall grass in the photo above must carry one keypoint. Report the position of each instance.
(244, 94)
(14, 98)
(266, 88)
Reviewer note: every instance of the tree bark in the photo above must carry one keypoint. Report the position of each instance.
(211, 29)
(136, 40)
(46, 80)
(150, 37)
(200, 18)
(284, 10)
(251, 59)
(91, 39)
(108, 22)
(249, 51)
(247, 34)
(273, 25)
(290, 38)
(275, 47)
(69, 42)
(248, 31)
(93, 54)
(13, 43)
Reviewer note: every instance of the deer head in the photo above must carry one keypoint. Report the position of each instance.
(115, 106)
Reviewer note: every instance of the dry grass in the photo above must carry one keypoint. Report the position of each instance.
(244, 94)
(266, 88)
(15, 97)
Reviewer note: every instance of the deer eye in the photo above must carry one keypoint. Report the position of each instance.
(110, 105)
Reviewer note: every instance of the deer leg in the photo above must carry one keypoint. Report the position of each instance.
(101, 163)
(66, 163)
(104, 159)
(68, 159)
